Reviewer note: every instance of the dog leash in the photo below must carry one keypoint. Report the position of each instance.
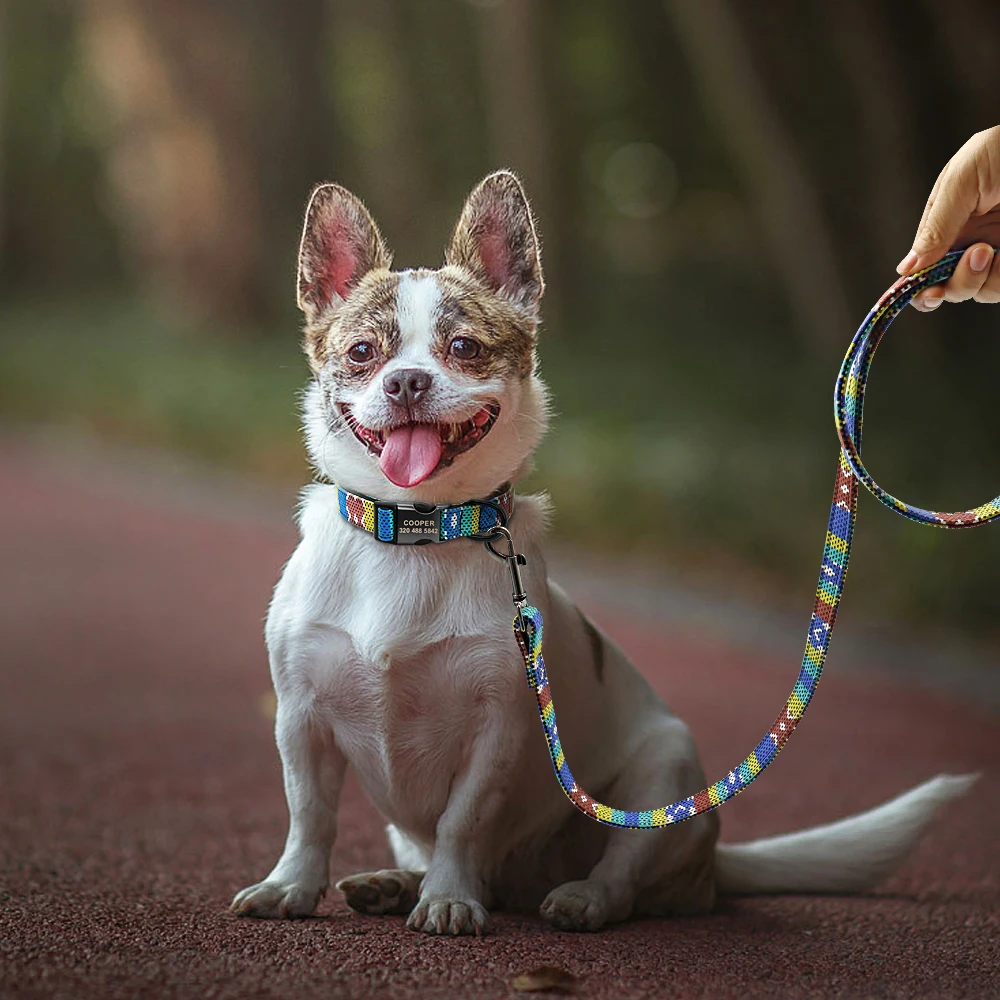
(848, 403)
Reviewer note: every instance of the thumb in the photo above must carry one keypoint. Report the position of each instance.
(951, 203)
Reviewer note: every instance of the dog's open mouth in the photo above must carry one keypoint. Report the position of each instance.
(410, 453)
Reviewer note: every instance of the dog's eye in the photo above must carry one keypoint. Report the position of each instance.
(464, 348)
(362, 352)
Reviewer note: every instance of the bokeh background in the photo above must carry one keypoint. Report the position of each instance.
(723, 190)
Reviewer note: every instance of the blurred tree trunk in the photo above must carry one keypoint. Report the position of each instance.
(3, 105)
(970, 30)
(294, 130)
(892, 184)
(511, 39)
(795, 234)
(189, 168)
(376, 93)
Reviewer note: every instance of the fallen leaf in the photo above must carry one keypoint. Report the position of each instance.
(545, 977)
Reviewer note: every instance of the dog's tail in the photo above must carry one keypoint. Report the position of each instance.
(847, 856)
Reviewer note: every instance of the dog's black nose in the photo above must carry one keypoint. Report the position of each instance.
(407, 385)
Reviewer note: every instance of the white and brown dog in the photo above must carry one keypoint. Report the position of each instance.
(400, 660)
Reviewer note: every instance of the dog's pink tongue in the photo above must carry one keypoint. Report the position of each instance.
(410, 454)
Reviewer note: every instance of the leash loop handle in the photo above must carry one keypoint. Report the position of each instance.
(849, 397)
(848, 405)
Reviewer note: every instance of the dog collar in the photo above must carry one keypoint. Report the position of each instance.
(425, 523)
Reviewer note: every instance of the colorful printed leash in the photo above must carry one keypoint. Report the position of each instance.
(849, 398)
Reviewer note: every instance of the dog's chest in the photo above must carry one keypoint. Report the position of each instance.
(408, 726)
(408, 651)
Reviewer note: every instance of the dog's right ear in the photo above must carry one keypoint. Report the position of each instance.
(340, 245)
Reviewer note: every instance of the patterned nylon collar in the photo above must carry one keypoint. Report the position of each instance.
(424, 523)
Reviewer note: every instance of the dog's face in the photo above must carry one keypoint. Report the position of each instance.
(425, 385)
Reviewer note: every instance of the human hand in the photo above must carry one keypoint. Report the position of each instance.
(963, 210)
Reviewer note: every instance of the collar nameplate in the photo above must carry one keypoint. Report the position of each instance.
(425, 523)
(414, 526)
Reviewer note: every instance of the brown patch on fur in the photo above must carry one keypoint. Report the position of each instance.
(369, 314)
(495, 240)
(596, 644)
(490, 285)
(506, 334)
(340, 245)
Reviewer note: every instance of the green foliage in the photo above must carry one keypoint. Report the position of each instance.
(56, 232)
(117, 369)
(704, 451)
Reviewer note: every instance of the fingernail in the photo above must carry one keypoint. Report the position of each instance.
(981, 258)
(929, 300)
(907, 262)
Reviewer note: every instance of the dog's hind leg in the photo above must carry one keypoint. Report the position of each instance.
(407, 852)
(392, 890)
(646, 871)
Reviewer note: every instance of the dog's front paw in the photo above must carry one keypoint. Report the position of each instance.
(449, 916)
(576, 906)
(277, 900)
(389, 891)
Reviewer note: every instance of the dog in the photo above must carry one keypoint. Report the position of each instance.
(400, 659)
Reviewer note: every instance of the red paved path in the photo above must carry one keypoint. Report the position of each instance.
(139, 789)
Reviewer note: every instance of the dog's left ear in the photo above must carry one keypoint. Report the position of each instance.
(495, 240)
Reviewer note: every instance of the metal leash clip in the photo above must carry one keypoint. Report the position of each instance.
(514, 561)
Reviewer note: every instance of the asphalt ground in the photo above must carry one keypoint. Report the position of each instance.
(140, 788)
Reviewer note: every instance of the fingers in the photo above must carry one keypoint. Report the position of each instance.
(906, 265)
(969, 184)
(955, 196)
(977, 276)
(990, 291)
